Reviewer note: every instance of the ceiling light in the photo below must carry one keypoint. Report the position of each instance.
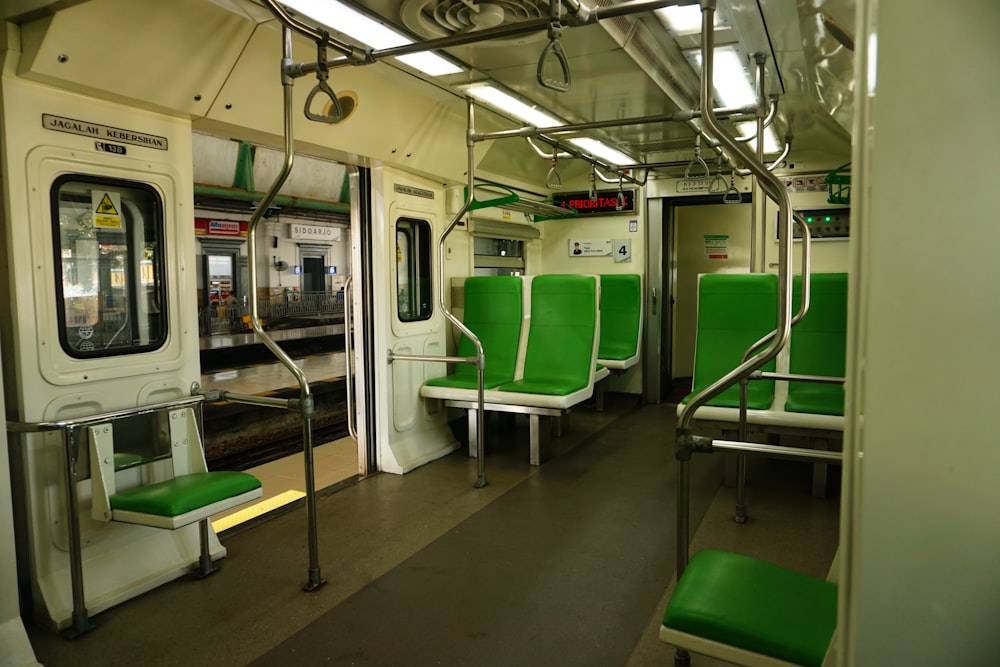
(730, 79)
(771, 144)
(512, 106)
(602, 150)
(370, 33)
(682, 20)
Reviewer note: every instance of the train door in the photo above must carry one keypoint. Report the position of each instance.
(409, 214)
(705, 238)
(313, 274)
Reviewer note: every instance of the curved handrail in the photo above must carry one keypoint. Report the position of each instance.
(685, 442)
(480, 355)
(315, 580)
(772, 187)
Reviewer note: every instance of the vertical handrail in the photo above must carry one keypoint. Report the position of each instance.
(349, 354)
(470, 146)
(315, 579)
(773, 188)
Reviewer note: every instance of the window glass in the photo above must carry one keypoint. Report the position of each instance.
(109, 261)
(413, 270)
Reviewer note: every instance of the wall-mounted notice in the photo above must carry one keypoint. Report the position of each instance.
(716, 246)
(589, 247)
(623, 250)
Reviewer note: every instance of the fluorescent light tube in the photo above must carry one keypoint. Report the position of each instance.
(730, 79)
(509, 104)
(682, 20)
(602, 150)
(370, 33)
(771, 144)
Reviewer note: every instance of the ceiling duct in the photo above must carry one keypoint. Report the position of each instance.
(443, 18)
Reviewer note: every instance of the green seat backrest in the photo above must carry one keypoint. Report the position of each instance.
(755, 605)
(621, 308)
(734, 312)
(559, 358)
(819, 345)
(493, 311)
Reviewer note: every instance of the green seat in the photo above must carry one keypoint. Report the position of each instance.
(621, 320)
(754, 605)
(559, 358)
(177, 496)
(493, 312)
(734, 312)
(819, 345)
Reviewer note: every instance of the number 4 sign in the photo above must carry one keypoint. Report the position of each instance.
(622, 250)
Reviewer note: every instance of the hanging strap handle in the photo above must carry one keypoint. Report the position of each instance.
(554, 48)
(593, 183)
(322, 74)
(620, 199)
(718, 178)
(697, 161)
(732, 195)
(553, 181)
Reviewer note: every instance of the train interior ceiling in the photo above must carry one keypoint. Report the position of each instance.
(234, 206)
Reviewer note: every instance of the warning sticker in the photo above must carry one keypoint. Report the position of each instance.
(107, 208)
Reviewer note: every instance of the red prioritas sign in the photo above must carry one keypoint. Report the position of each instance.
(605, 203)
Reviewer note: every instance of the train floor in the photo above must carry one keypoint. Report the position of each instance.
(568, 563)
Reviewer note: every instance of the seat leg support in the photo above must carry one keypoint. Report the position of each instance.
(540, 434)
(819, 470)
(473, 433)
(205, 565)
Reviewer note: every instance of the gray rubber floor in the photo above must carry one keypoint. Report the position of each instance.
(570, 563)
(563, 569)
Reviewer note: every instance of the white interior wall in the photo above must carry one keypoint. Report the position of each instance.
(920, 582)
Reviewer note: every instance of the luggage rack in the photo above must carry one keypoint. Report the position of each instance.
(502, 196)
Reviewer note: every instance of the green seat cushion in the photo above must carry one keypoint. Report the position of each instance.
(819, 345)
(621, 306)
(551, 387)
(493, 311)
(463, 381)
(755, 605)
(559, 358)
(186, 493)
(734, 312)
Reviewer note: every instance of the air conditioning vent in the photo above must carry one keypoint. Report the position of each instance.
(441, 18)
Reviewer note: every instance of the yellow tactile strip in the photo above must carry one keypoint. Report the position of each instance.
(256, 510)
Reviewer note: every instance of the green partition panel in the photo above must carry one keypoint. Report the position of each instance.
(819, 345)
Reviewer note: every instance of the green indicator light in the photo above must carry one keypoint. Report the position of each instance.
(828, 218)
(809, 219)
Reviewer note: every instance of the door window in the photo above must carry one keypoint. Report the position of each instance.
(110, 282)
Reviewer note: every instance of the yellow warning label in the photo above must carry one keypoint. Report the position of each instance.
(107, 207)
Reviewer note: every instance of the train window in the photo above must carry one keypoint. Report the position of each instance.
(413, 270)
(110, 287)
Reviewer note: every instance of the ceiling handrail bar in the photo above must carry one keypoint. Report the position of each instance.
(593, 15)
